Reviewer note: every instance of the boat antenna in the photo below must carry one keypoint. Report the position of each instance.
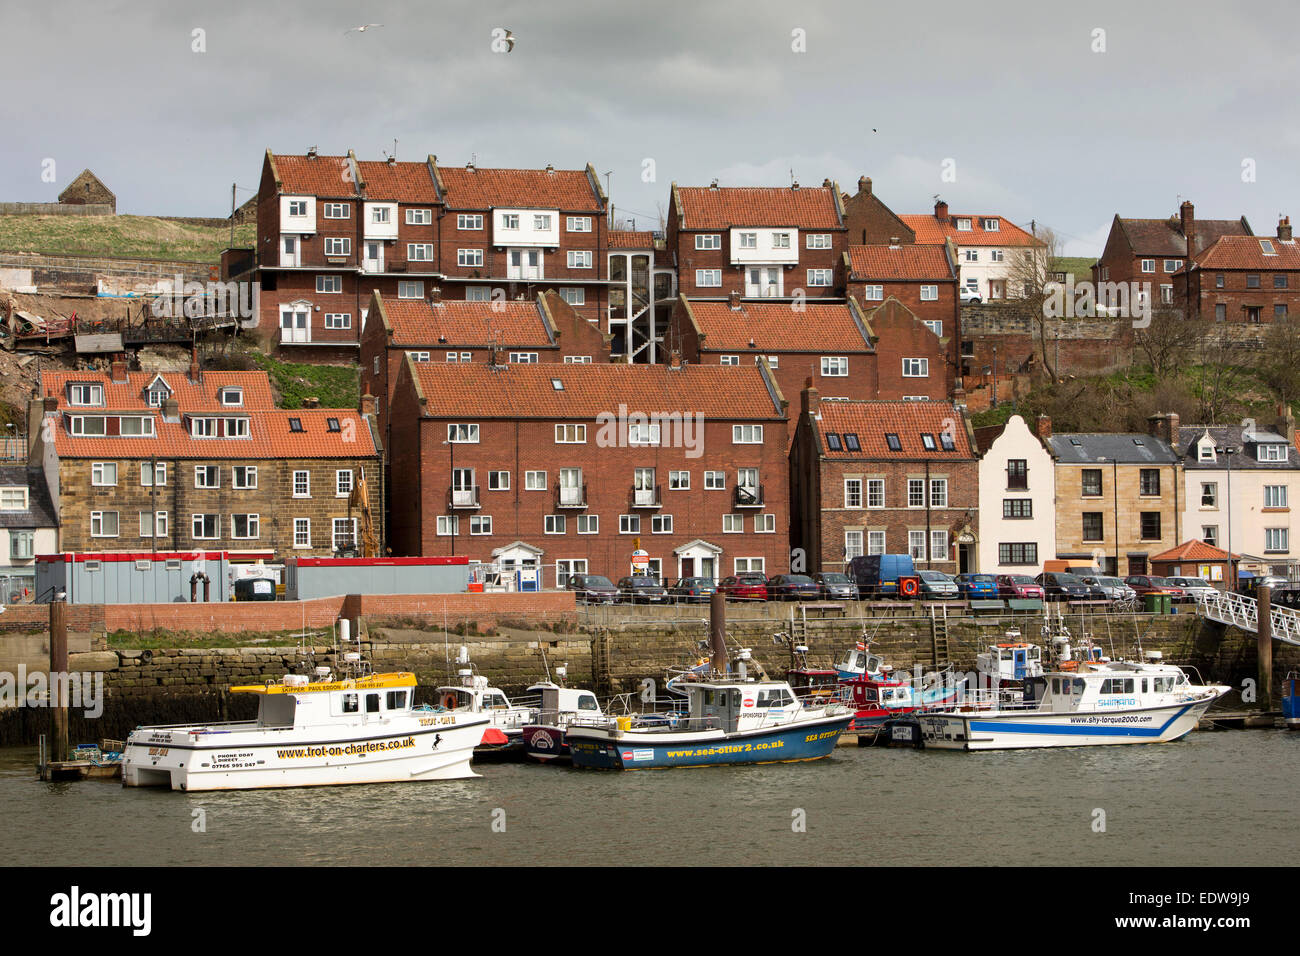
(545, 665)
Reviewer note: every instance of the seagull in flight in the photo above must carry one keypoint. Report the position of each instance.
(361, 29)
(510, 41)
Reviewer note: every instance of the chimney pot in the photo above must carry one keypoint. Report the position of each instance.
(118, 373)
(435, 294)
(1284, 229)
(733, 299)
(368, 404)
(1044, 427)
(675, 359)
(810, 400)
(893, 242)
(196, 373)
(864, 184)
(940, 210)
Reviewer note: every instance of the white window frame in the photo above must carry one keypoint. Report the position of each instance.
(305, 484)
(249, 474)
(708, 278)
(463, 433)
(101, 472)
(469, 258)
(569, 434)
(302, 532)
(419, 217)
(920, 368)
(747, 434)
(469, 221)
(706, 241)
(579, 258)
(835, 366)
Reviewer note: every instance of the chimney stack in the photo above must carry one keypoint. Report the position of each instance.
(118, 372)
(894, 242)
(1284, 229)
(367, 404)
(1044, 429)
(675, 359)
(1286, 423)
(171, 410)
(733, 300)
(826, 184)
(1187, 222)
(435, 294)
(196, 374)
(1164, 425)
(809, 399)
(864, 185)
(940, 210)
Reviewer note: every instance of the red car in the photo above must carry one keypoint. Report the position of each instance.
(1018, 586)
(750, 586)
(1145, 584)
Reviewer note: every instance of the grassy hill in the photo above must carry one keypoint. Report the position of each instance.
(145, 237)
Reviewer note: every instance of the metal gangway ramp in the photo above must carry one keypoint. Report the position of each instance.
(1243, 612)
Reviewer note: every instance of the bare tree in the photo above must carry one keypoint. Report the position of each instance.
(1280, 367)
(1029, 274)
(1168, 339)
(1219, 383)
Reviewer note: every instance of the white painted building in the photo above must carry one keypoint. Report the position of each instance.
(28, 527)
(988, 248)
(1240, 500)
(1017, 476)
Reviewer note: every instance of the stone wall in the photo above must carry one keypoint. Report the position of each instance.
(56, 209)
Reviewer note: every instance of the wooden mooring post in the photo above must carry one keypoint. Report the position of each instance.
(1264, 648)
(58, 672)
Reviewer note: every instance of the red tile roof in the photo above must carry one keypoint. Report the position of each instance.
(568, 190)
(1164, 237)
(269, 438)
(467, 391)
(1246, 252)
(777, 327)
(871, 421)
(913, 261)
(928, 229)
(315, 176)
(398, 182)
(631, 239)
(130, 396)
(471, 324)
(725, 206)
(1193, 551)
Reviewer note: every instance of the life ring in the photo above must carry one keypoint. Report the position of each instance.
(1069, 665)
(448, 701)
(909, 587)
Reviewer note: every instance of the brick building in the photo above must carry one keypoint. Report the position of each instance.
(884, 478)
(1119, 498)
(545, 329)
(334, 229)
(988, 247)
(763, 242)
(141, 461)
(1155, 251)
(567, 468)
(88, 190)
(1243, 279)
(870, 222)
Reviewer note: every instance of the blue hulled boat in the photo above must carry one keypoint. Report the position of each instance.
(728, 721)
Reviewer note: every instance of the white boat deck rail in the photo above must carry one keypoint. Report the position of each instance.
(1243, 612)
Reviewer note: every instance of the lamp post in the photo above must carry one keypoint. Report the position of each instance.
(1229, 451)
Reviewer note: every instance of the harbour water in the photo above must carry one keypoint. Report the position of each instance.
(1216, 798)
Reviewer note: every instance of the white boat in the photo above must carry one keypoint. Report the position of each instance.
(357, 728)
(475, 696)
(1011, 661)
(544, 739)
(1081, 703)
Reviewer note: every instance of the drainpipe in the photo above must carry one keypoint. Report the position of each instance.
(928, 538)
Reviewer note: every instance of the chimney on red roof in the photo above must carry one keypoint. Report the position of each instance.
(118, 372)
(196, 373)
(495, 357)
(367, 404)
(826, 183)
(1187, 222)
(809, 400)
(1284, 229)
(893, 242)
(940, 210)
(959, 396)
(864, 185)
(50, 404)
(550, 168)
(734, 301)
(675, 358)
(171, 410)
(1044, 428)
(435, 294)
(392, 160)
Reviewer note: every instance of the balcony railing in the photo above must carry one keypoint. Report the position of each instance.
(463, 497)
(576, 497)
(747, 496)
(646, 497)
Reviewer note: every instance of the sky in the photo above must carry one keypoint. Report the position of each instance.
(1020, 109)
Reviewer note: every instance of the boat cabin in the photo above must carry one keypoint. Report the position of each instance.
(298, 701)
(1011, 661)
(816, 684)
(867, 694)
(474, 695)
(1115, 685)
(738, 706)
(860, 662)
(560, 703)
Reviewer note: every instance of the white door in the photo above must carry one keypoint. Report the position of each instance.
(763, 281)
(570, 486)
(643, 484)
(373, 261)
(289, 250)
(462, 487)
(295, 324)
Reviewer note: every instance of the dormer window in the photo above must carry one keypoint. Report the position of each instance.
(990, 225)
(231, 396)
(963, 225)
(1205, 451)
(85, 394)
(1270, 451)
(157, 396)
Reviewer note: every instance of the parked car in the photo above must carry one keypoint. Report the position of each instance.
(1145, 584)
(592, 588)
(746, 586)
(834, 586)
(1063, 586)
(640, 589)
(969, 296)
(693, 590)
(1018, 586)
(792, 587)
(879, 575)
(1194, 586)
(977, 586)
(1250, 584)
(937, 586)
(1113, 588)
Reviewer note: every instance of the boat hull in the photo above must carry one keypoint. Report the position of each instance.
(243, 758)
(546, 744)
(610, 749)
(1012, 730)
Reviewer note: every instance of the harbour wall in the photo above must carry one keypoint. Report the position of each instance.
(177, 684)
